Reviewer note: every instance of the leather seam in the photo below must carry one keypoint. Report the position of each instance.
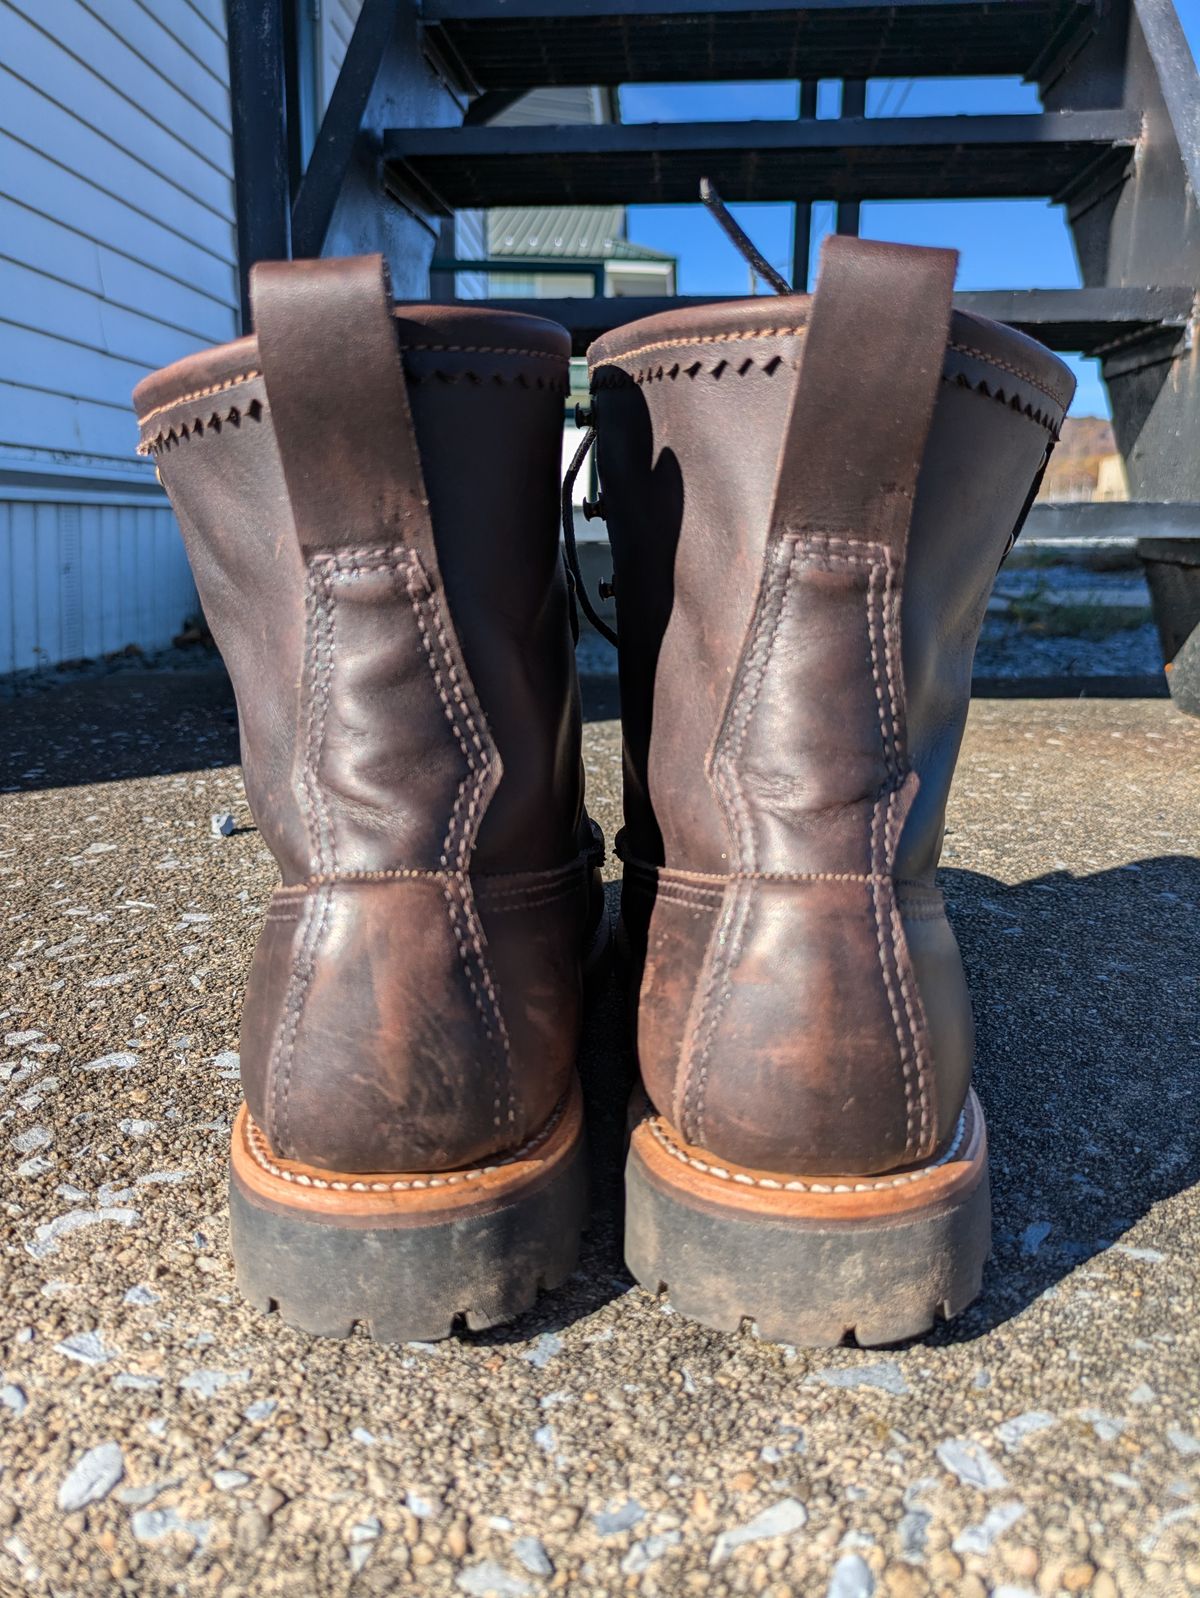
(880, 833)
(725, 940)
(475, 778)
(199, 393)
(997, 364)
(798, 1184)
(318, 676)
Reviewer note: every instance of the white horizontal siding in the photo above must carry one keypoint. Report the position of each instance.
(117, 237)
(337, 19)
(78, 581)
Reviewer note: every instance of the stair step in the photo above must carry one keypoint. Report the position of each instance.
(524, 44)
(861, 158)
(1094, 321)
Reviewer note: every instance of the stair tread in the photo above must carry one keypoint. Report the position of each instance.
(953, 157)
(1090, 320)
(529, 43)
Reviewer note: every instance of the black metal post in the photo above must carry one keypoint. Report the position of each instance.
(854, 104)
(802, 210)
(260, 146)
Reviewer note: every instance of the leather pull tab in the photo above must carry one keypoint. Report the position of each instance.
(870, 368)
(338, 399)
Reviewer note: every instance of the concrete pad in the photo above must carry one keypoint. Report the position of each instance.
(1048, 1441)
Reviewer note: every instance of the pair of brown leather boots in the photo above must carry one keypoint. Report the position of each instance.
(807, 499)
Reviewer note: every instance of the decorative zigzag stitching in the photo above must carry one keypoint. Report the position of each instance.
(618, 377)
(200, 427)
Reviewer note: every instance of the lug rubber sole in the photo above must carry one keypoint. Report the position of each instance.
(411, 1257)
(810, 1261)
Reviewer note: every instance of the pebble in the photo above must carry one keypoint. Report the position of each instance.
(88, 1348)
(972, 1464)
(489, 1579)
(251, 1529)
(92, 1477)
(270, 1500)
(1078, 1578)
(781, 1519)
(611, 1522)
(978, 1538)
(13, 1398)
(544, 1350)
(531, 1552)
(50, 1234)
(1013, 1432)
(852, 1578)
(152, 1525)
(884, 1374)
(209, 1382)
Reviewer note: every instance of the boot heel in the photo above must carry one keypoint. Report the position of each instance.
(412, 1257)
(811, 1261)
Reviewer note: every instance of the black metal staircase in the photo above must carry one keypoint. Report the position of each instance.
(408, 140)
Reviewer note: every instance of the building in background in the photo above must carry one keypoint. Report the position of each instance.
(117, 255)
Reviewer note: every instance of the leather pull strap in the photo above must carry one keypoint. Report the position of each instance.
(868, 381)
(336, 390)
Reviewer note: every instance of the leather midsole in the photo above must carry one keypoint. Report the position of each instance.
(402, 1198)
(698, 1177)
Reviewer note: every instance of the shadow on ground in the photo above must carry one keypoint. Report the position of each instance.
(1086, 992)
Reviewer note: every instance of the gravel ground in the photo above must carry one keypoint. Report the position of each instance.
(158, 1437)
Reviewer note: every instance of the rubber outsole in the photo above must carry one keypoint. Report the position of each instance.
(811, 1262)
(408, 1257)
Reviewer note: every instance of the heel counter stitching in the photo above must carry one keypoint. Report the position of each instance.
(833, 552)
(320, 642)
(460, 840)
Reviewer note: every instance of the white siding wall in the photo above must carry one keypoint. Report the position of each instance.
(336, 19)
(83, 579)
(117, 242)
(117, 255)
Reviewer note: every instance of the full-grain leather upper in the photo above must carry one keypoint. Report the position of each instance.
(804, 540)
(368, 498)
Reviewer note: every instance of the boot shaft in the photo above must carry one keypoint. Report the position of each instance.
(808, 500)
(368, 498)
(486, 393)
(692, 412)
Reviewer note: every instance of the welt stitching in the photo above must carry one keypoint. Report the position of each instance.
(261, 1154)
(662, 1136)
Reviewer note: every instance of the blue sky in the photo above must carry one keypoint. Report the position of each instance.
(1002, 243)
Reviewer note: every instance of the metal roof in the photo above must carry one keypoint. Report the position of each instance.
(572, 232)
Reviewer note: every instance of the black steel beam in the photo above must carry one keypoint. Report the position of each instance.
(523, 44)
(262, 175)
(1090, 321)
(984, 157)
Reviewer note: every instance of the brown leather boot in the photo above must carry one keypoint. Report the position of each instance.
(368, 498)
(808, 500)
